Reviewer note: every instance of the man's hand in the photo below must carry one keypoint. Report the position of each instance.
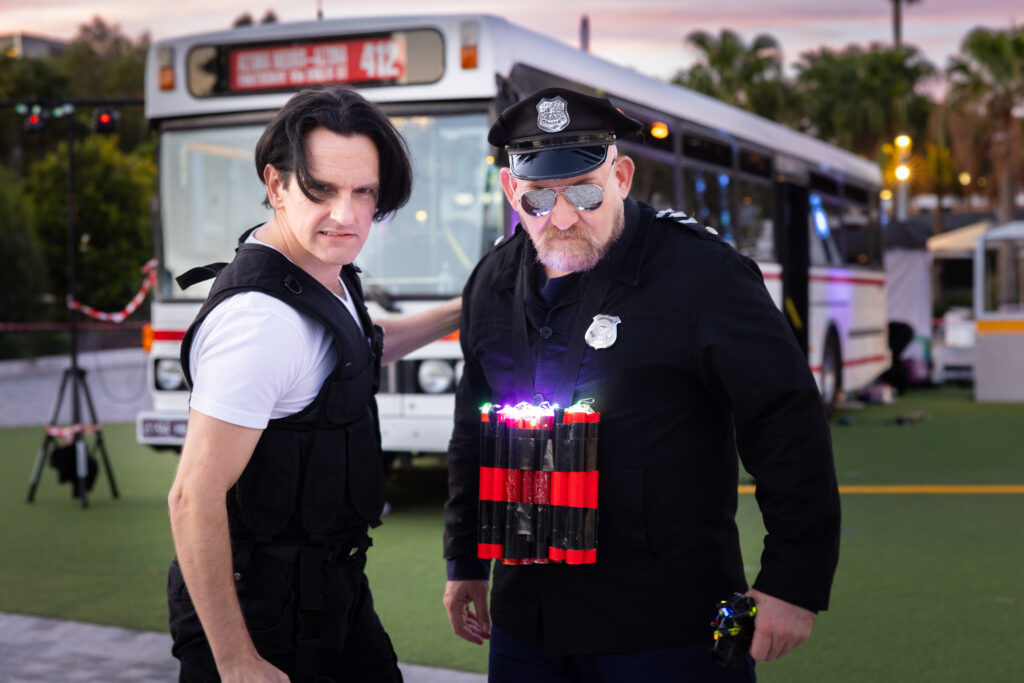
(466, 603)
(252, 670)
(779, 626)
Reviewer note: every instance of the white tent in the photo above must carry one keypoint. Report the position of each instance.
(999, 342)
(909, 300)
(959, 243)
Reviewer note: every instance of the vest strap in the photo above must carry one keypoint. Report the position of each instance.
(199, 274)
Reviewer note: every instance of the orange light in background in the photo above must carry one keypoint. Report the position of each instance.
(167, 79)
(147, 337)
(469, 36)
(165, 64)
(659, 130)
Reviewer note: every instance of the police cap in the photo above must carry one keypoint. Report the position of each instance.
(558, 133)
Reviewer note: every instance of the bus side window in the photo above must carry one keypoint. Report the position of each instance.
(825, 232)
(755, 227)
(708, 194)
(652, 182)
(863, 243)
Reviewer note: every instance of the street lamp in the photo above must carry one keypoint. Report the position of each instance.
(903, 145)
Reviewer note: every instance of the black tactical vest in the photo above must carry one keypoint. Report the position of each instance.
(316, 475)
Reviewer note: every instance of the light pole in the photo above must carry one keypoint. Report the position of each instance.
(902, 172)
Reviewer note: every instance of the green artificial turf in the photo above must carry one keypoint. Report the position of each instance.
(929, 587)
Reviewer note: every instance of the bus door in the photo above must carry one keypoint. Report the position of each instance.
(793, 249)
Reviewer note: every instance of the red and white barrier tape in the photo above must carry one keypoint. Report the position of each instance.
(149, 270)
(71, 430)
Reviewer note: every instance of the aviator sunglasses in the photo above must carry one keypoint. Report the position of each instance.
(586, 197)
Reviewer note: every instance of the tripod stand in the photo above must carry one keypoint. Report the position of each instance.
(75, 377)
(74, 374)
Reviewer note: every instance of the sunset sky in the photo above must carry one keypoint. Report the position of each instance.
(648, 35)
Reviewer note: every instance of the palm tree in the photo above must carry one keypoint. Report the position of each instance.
(860, 99)
(897, 20)
(987, 83)
(745, 76)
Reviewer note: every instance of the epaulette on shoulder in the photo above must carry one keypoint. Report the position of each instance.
(682, 218)
(505, 240)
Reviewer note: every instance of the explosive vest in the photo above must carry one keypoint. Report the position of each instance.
(317, 475)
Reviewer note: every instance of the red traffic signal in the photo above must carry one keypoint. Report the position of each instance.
(105, 120)
(34, 122)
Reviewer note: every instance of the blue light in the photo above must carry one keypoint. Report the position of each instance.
(701, 186)
(821, 225)
(723, 180)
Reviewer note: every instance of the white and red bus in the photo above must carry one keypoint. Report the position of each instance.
(807, 211)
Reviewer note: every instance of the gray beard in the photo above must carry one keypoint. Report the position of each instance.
(580, 261)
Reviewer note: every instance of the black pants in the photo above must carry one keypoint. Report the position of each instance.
(353, 644)
(512, 661)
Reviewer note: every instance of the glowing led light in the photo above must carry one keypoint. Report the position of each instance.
(885, 195)
(964, 178)
(421, 216)
(659, 130)
(903, 141)
(902, 172)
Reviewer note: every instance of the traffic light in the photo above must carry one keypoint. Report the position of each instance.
(35, 118)
(105, 120)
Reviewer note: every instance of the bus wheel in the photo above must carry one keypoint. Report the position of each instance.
(831, 373)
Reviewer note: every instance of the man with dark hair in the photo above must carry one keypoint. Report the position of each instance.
(673, 336)
(281, 472)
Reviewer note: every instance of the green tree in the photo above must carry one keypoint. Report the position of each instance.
(112, 193)
(987, 82)
(23, 278)
(746, 76)
(102, 62)
(27, 79)
(860, 99)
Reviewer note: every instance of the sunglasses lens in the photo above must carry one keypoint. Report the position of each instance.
(538, 202)
(585, 197)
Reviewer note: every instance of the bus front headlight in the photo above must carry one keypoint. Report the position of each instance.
(168, 375)
(435, 376)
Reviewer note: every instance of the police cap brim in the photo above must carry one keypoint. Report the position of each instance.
(553, 164)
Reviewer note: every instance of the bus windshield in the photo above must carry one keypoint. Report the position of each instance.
(210, 194)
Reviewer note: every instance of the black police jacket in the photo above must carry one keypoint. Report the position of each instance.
(317, 475)
(703, 365)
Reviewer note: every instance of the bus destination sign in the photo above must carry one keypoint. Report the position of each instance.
(276, 67)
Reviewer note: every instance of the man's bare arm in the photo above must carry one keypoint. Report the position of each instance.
(212, 459)
(405, 334)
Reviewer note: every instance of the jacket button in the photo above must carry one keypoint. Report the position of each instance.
(546, 332)
(238, 576)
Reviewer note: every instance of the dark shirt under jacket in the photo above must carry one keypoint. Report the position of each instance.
(704, 366)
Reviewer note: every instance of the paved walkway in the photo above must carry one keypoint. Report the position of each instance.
(116, 380)
(33, 649)
(36, 649)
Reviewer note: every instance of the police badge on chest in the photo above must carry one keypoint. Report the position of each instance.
(603, 332)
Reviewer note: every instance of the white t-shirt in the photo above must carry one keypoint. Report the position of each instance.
(255, 358)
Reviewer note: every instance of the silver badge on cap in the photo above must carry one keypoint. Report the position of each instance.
(603, 332)
(552, 115)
